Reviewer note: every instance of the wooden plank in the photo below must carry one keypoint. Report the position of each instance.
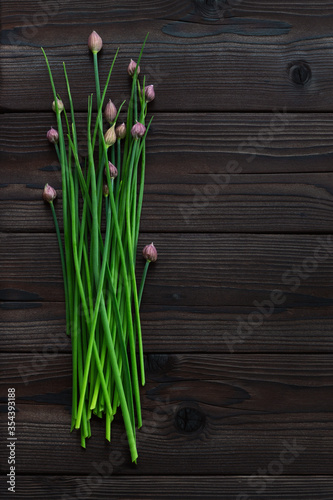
(214, 270)
(182, 146)
(186, 191)
(299, 203)
(249, 374)
(270, 45)
(170, 487)
(243, 410)
(127, 11)
(241, 447)
(40, 327)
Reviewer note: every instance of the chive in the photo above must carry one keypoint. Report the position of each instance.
(99, 268)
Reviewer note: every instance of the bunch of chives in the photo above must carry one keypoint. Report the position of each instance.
(101, 294)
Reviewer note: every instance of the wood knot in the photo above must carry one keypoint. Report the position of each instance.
(300, 72)
(189, 419)
(211, 9)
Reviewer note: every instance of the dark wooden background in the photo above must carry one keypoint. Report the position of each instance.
(225, 72)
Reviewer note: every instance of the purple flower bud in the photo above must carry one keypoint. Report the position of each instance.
(113, 171)
(150, 93)
(110, 136)
(150, 253)
(60, 106)
(110, 112)
(95, 43)
(52, 135)
(138, 130)
(106, 191)
(121, 131)
(131, 68)
(49, 194)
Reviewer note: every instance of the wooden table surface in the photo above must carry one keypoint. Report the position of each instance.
(237, 312)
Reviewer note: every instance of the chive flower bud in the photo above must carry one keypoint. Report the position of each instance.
(60, 106)
(113, 171)
(49, 193)
(121, 131)
(149, 93)
(52, 136)
(138, 130)
(110, 112)
(131, 68)
(150, 253)
(95, 43)
(106, 191)
(110, 136)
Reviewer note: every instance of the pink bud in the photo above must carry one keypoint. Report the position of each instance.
(113, 171)
(138, 130)
(150, 93)
(95, 43)
(131, 68)
(49, 194)
(60, 106)
(52, 135)
(150, 253)
(110, 136)
(121, 131)
(110, 112)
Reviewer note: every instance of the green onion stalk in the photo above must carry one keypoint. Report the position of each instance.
(102, 198)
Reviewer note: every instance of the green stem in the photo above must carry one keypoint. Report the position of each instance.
(63, 265)
(128, 302)
(74, 359)
(92, 343)
(143, 280)
(132, 272)
(91, 166)
(98, 88)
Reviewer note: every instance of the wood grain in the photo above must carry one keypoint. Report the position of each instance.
(189, 191)
(170, 487)
(247, 373)
(40, 327)
(158, 10)
(248, 47)
(243, 442)
(249, 405)
(243, 85)
(213, 270)
(184, 145)
(299, 203)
